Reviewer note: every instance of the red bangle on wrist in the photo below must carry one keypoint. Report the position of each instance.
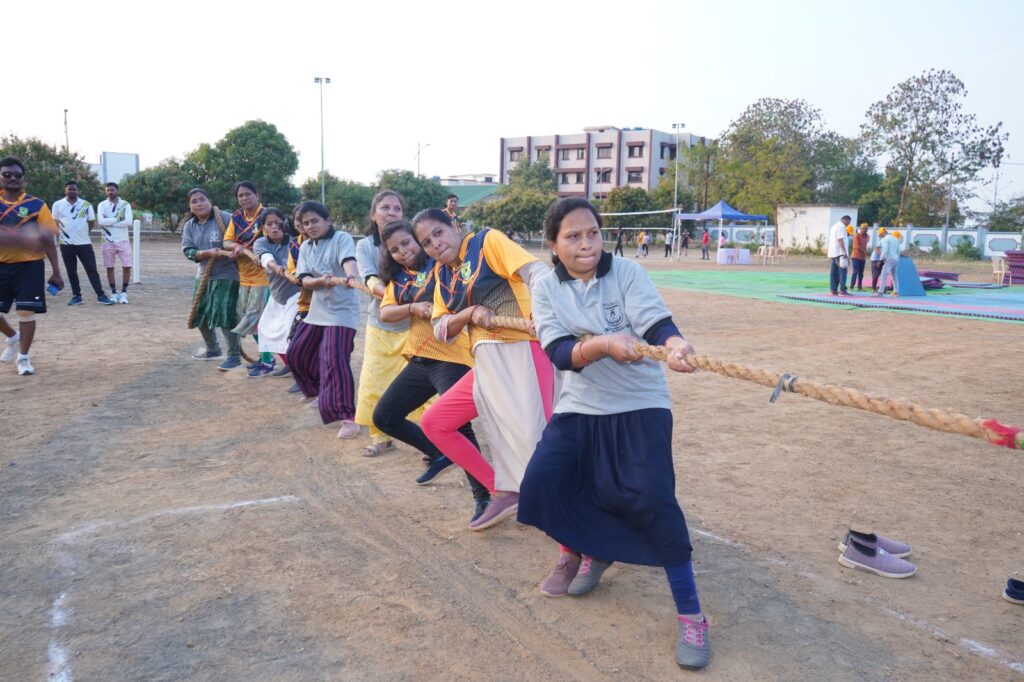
(583, 357)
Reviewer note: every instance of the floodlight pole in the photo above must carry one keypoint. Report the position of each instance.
(67, 143)
(320, 80)
(419, 148)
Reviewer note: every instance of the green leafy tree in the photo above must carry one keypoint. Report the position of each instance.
(521, 210)
(48, 168)
(1008, 216)
(532, 175)
(348, 201)
(203, 165)
(843, 172)
(418, 192)
(631, 199)
(923, 131)
(161, 189)
(259, 152)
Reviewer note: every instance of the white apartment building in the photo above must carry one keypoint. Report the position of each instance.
(592, 163)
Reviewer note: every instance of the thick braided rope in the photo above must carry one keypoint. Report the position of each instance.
(351, 283)
(940, 420)
(988, 430)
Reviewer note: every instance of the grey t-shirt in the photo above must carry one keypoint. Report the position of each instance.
(207, 235)
(366, 259)
(331, 306)
(618, 300)
(280, 288)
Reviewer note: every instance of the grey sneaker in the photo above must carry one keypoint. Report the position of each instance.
(500, 508)
(556, 583)
(208, 354)
(875, 560)
(894, 547)
(588, 576)
(693, 643)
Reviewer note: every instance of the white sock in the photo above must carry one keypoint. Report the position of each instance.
(14, 339)
(23, 356)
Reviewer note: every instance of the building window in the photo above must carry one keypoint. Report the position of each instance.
(563, 154)
(515, 154)
(635, 176)
(543, 152)
(580, 154)
(579, 178)
(603, 175)
(604, 152)
(563, 178)
(662, 170)
(668, 152)
(636, 151)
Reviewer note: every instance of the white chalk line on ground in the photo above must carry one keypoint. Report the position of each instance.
(60, 614)
(970, 645)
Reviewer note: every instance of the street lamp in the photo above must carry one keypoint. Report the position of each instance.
(419, 148)
(675, 192)
(67, 142)
(323, 179)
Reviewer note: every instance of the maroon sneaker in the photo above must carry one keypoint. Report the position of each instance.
(876, 561)
(894, 547)
(500, 508)
(556, 583)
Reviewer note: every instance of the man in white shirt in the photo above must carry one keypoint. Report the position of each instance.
(75, 218)
(115, 217)
(668, 243)
(837, 254)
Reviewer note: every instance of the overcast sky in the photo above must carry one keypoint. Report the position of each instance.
(157, 79)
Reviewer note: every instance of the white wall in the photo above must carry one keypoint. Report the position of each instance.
(806, 223)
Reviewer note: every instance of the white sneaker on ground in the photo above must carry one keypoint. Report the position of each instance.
(122, 297)
(11, 348)
(25, 366)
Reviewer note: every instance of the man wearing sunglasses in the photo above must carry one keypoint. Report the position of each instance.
(26, 235)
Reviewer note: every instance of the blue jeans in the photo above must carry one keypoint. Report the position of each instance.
(837, 277)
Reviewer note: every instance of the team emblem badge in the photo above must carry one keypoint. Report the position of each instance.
(466, 270)
(23, 212)
(421, 279)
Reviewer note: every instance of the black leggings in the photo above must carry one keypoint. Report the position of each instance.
(71, 253)
(421, 380)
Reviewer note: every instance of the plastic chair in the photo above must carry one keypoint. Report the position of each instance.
(999, 270)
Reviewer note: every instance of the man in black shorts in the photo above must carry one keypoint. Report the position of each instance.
(26, 235)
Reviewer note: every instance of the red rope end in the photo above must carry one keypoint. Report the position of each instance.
(1002, 434)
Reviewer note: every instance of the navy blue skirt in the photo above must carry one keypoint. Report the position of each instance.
(604, 486)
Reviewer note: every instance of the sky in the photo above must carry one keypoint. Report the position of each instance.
(158, 79)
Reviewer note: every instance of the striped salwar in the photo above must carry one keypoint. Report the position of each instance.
(319, 359)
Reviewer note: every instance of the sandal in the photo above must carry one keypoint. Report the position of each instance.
(375, 449)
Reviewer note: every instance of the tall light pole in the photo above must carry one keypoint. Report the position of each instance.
(419, 148)
(320, 80)
(675, 192)
(67, 144)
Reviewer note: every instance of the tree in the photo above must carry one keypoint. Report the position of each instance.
(1008, 216)
(767, 155)
(257, 152)
(843, 172)
(921, 128)
(418, 192)
(520, 210)
(536, 175)
(47, 169)
(161, 189)
(630, 199)
(348, 201)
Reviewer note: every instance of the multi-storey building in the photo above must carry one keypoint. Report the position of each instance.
(592, 163)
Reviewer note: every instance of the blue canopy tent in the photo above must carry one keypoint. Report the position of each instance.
(722, 212)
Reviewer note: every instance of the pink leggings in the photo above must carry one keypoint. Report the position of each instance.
(456, 407)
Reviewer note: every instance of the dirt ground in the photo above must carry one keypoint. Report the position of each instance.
(161, 520)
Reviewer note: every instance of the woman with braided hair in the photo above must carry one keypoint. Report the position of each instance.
(510, 387)
(601, 480)
(433, 367)
(202, 240)
(254, 288)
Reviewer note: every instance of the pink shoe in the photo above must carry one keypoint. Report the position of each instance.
(500, 508)
(556, 583)
(349, 429)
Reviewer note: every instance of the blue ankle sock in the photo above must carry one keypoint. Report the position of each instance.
(684, 587)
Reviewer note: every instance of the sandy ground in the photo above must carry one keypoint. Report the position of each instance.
(161, 520)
